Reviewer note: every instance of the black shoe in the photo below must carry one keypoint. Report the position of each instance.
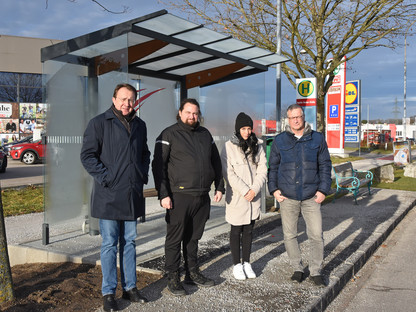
(174, 284)
(194, 276)
(110, 303)
(297, 276)
(318, 280)
(134, 296)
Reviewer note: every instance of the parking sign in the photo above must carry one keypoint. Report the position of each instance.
(333, 111)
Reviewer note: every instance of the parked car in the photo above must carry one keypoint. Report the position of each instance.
(26, 139)
(3, 160)
(29, 153)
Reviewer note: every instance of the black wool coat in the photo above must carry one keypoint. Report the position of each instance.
(119, 163)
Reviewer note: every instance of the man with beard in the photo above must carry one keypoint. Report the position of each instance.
(186, 162)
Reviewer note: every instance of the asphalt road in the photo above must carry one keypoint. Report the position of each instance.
(387, 282)
(19, 174)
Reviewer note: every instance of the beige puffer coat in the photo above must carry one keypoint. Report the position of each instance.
(241, 175)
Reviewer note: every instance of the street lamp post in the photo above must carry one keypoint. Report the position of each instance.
(278, 67)
(405, 83)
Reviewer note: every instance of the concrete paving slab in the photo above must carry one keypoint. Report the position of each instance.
(351, 233)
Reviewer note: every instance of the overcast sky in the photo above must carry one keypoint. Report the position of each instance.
(381, 71)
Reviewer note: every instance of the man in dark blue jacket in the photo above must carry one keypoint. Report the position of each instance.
(115, 153)
(186, 162)
(299, 179)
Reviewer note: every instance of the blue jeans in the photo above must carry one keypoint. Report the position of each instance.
(124, 234)
(311, 212)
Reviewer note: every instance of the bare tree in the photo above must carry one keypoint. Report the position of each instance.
(125, 9)
(6, 283)
(325, 29)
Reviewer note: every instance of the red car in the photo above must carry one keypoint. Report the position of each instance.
(29, 153)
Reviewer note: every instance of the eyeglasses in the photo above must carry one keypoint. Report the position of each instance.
(295, 117)
(130, 101)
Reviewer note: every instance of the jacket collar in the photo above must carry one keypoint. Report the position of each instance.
(306, 131)
(187, 127)
(235, 140)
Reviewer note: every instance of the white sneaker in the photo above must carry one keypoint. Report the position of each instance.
(239, 272)
(248, 270)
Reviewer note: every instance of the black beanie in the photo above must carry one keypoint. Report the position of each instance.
(243, 120)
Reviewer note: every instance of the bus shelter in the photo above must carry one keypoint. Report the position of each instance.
(167, 58)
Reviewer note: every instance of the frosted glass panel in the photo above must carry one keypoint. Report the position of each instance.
(158, 110)
(220, 105)
(64, 191)
(75, 95)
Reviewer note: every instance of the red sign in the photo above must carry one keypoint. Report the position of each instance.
(335, 111)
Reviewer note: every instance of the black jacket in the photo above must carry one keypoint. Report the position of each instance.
(186, 160)
(119, 163)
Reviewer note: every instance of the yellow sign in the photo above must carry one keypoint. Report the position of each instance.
(305, 88)
(350, 93)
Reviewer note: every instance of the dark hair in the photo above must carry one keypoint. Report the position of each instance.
(127, 86)
(249, 146)
(191, 101)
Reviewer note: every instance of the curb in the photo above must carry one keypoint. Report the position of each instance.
(355, 263)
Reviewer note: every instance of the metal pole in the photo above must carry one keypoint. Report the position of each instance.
(278, 72)
(404, 90)
(278, 66)
(405, 83)
(368, 120)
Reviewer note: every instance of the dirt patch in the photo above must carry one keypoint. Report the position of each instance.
(61, 287)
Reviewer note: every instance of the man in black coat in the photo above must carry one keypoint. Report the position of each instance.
(186, 162)
(115, 153)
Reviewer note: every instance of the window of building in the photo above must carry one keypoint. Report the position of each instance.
(20, 87)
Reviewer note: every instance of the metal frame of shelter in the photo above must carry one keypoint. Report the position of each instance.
(80, 73)
(167, 47)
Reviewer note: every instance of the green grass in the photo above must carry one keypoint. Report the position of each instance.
(22, 201)
(400, 182)
(339, 160)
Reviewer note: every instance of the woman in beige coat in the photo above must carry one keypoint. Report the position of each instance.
(244, 167)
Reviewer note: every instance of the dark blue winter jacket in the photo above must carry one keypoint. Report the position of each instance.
(299, 167)
(119, 163)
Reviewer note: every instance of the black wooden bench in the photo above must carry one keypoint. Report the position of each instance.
(347, 178)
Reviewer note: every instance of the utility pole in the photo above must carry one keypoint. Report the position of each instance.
(396, 112)
(278, 66)
(405, 83)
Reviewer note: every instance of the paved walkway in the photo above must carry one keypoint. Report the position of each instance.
(352, 233)
(387, 281)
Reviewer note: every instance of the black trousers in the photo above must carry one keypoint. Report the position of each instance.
(241, 235)
(185, 225)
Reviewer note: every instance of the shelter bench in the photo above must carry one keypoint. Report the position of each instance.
(347, 178)
(146, 194)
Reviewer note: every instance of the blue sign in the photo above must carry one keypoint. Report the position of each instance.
(350, 138)
(351, 120)
(333, 111)
(351, 131)
(351, 109)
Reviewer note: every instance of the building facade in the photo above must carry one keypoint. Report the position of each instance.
(22, 112)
